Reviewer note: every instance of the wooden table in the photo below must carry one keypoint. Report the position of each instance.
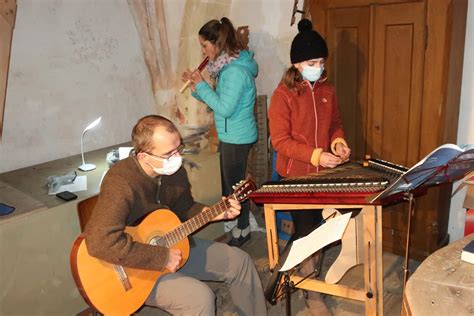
(442, 284)
(372, 293)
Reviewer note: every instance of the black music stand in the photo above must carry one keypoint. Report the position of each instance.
(276, 288)
(445, 164)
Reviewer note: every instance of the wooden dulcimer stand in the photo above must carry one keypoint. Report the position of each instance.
(346, 187)
(372, 293)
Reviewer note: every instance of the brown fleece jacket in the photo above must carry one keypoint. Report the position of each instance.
(127, 193)
(303, 125)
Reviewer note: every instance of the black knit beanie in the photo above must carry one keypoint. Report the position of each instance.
(307, 44)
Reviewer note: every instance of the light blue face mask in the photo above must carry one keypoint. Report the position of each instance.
(312, 73)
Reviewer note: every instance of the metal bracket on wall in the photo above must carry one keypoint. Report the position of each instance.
(295, 10)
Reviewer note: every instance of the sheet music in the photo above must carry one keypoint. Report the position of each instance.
(322, 236)
(446, 163)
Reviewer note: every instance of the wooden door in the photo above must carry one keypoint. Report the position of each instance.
(376, 62)
(394, 125)
(409, 86)
(397, 82)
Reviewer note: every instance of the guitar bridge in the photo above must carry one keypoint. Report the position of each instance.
(122, 275)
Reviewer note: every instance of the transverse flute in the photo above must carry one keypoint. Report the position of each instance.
(199, 68)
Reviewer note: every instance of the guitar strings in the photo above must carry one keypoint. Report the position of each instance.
(189, 226)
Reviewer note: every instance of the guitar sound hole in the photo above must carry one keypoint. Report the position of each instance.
(158, 241)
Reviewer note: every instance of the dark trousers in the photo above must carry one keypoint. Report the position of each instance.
(233, 161)
(305, 221)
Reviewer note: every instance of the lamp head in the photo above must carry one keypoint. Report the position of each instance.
(93, 124)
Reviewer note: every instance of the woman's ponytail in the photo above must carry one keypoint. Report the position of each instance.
(222, 34)
(291, 77)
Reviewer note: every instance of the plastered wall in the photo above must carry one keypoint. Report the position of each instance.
(457, 215)
(73, 61)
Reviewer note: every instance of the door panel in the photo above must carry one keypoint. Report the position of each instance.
(397, 82)
(348, 43)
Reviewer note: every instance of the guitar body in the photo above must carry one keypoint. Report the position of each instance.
(114, 290)
(99, 282)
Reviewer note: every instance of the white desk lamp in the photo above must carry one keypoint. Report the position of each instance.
(87, 166)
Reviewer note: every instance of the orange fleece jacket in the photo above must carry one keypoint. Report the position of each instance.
(303, 124)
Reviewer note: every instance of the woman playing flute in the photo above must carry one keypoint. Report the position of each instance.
(232, 101)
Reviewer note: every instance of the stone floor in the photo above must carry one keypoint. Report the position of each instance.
(256, 247)
(393, 279)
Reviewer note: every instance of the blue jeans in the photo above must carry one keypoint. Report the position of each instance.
(233, 161)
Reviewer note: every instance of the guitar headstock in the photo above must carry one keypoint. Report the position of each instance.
(243, 189)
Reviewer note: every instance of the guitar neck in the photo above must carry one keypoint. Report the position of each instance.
(191, 225)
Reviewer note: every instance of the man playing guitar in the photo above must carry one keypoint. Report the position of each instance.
(150, 179)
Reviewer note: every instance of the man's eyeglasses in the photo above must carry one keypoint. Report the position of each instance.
(178, 150)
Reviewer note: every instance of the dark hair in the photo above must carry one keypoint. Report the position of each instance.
(292, 77)
(222, 34)
(142, 133)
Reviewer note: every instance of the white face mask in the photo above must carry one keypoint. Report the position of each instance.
(170, 165)
(312, 73)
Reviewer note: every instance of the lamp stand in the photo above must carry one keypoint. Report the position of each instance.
(85, 166)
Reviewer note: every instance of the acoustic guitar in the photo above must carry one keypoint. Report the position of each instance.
(115, 290)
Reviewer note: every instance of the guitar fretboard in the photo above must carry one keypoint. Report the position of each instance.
(190, 226)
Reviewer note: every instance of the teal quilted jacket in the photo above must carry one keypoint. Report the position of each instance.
(233, 100)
